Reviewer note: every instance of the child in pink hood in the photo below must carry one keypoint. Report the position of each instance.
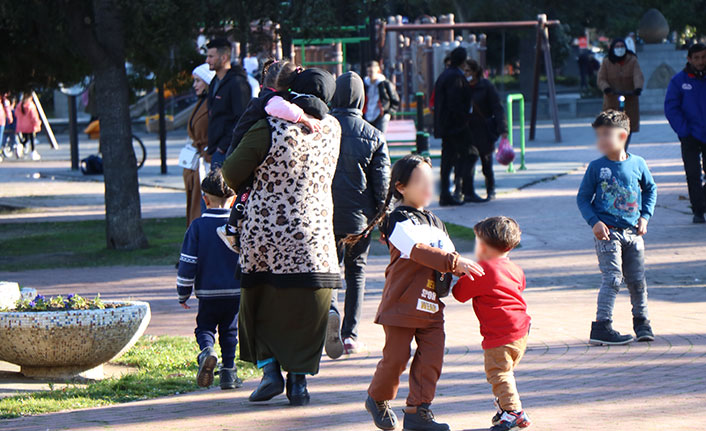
(28, 123)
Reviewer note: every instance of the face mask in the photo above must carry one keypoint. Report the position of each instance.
(619, 52)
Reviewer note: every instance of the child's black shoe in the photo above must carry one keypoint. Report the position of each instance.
(511, 421)
(383, 416)
(297, 394)
(602, 332)
(642, 328)
(207, 363)
(422, 419)
(229, 378)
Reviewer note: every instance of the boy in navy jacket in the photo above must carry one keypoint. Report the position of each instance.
(207, 266)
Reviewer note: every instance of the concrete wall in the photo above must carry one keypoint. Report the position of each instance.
(659, 62)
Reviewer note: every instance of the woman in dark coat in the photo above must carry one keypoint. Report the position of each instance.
(288, 251)
(487, 122)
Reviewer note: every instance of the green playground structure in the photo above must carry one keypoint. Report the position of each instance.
(521, 101)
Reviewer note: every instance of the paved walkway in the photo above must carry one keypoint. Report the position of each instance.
(565, 384)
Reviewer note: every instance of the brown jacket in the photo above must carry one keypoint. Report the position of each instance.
(622, 76)
(409, 298)
(197, 127)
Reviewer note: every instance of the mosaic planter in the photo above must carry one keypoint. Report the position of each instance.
(64, 344)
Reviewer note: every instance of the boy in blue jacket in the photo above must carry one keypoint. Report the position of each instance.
(617, 198)
(207, 266)
(685, 108)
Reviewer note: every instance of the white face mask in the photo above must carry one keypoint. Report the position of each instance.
(619, 52)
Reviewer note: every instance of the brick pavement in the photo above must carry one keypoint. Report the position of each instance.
(565, 384)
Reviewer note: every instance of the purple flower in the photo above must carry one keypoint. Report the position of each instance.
(32, 304)
(71, 295)
(39, 298)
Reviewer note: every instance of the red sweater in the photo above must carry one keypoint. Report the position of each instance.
(497, 301)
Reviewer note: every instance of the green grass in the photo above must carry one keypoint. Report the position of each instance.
(82, 243)
(76, 244)
(165, 366)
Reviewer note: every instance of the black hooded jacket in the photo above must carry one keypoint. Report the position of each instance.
(452, 102)
(363, 170)
(225, 106)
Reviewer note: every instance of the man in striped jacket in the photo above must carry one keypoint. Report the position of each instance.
(207, 267)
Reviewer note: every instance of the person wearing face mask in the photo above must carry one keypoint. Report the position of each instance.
(620, 73)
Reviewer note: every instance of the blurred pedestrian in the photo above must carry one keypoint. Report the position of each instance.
(685, 108)
(452, 103)
(487, 123)
(381, 98)
(28, 123)
(197, 128)
(620, 75)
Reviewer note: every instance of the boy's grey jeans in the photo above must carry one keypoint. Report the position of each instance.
(622, 257)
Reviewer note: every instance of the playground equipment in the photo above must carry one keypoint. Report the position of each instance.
(424, 76)
(521, 102)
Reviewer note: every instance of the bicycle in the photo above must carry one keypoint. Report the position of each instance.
(137, 145)
(11, 145)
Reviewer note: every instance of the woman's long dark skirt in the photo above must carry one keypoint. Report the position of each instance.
(288, 324)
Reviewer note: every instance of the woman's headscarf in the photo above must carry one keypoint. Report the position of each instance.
(611, 52)
(312, 90)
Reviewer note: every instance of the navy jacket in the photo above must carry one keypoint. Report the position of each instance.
(225, 106)
(207, 266)
(685, 105)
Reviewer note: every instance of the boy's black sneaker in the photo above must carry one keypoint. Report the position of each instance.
(512, 421)
(699, 219)
(448, 200)
(643, 330)
(383, 416)
(422, 420)
(229, 378)
(207, 363)
(602, 332)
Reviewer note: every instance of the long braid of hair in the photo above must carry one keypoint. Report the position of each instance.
(354, 238)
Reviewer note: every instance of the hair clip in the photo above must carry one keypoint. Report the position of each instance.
(299, 69)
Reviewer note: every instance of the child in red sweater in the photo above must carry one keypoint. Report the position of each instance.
(502, 313)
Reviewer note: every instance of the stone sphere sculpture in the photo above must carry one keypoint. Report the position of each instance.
(654, 27)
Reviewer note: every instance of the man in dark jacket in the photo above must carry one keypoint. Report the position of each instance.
(359, 190)
(685, 108)
(381, 98)
(452, 102)
(228, 95)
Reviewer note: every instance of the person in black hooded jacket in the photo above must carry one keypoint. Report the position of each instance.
(359, 190)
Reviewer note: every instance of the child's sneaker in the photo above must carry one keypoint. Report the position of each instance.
(207, 363)
(35, 155)
(602, 332)
(511, 421)
(229, 378)
(383, 416)
(334, 344)
(498, 414)
(227, 238)
(642, 328)
(422, 420)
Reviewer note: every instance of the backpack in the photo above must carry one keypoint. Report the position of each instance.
(92, 165)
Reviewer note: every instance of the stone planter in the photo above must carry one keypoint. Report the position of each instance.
(64, 344)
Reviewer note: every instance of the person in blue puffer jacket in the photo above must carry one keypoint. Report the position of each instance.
(685, 108)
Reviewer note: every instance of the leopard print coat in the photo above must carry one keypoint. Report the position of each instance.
(287, 235)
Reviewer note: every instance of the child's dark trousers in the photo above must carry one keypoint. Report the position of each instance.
(222, 315)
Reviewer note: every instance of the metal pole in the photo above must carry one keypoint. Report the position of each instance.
(535, 82)
(509, 101)
(73, 133)
(162, 129)
(502, 62)
(511, 166)
(522, 133)
(420, 110)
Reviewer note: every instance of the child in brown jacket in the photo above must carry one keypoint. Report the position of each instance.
(422, 257)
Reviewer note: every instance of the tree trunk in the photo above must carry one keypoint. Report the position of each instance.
(98, 31)
(122, 195)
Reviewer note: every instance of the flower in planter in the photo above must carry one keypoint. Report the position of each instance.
(59, 303)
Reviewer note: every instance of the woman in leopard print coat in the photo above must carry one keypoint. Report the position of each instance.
(288, 252)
